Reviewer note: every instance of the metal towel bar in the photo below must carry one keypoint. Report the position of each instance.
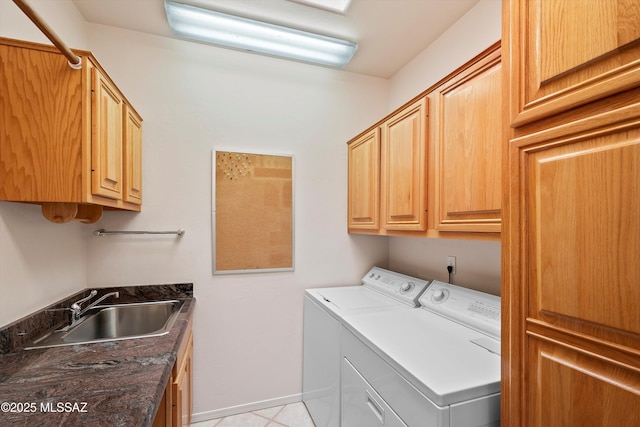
(103, 232)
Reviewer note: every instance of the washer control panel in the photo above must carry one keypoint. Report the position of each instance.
(403, 288)
(477, 310)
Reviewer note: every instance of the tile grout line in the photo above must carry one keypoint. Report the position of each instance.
(271, 419)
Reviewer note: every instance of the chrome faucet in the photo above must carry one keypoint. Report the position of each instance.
(76, 305)
(77, 311)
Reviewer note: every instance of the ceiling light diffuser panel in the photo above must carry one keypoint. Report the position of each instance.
(337, 6)
(247, 34)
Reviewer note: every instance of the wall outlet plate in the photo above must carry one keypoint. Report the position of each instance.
(451, 262)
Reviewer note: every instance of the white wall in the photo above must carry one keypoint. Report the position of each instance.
(194, 98)
(40, 262)
(477, 262)
(471, 34)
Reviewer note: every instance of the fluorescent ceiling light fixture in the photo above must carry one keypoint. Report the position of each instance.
(338, 6)
(247, 34)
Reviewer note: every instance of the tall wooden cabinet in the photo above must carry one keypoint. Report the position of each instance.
(176, 405)
(571, 235)
(69, 139)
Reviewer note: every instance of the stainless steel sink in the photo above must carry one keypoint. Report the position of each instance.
(116, 322)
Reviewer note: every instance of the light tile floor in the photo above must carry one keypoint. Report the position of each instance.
(291, 415)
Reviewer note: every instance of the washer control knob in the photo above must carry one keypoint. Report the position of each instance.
(406, 287)
(438, 295)
(371, 275)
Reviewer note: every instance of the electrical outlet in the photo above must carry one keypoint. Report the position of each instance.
(451, 262)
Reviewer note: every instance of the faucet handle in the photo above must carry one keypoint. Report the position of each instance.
(76, 305)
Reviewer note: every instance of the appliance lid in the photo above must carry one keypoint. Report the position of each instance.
(441, 358)
(355, 297)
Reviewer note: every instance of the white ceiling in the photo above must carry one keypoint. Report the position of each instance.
(389, 33)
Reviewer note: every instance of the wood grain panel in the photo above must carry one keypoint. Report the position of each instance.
(132, 153)
(570, 345)
(469, 140)
(404, 169)
(570, 54)
(575, 389)
(106, 141)
(585, 198)
(364, 182)
(40, 114)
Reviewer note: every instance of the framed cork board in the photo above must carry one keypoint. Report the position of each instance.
(252, 216)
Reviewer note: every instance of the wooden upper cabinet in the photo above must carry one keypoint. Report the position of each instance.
(69, 140)
(568, 53)
(132, 156)
(106, 138)
(404, 169)
(433, 167)
(467, 133)
(364, 182)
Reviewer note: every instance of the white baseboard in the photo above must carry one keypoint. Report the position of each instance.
(247, 407)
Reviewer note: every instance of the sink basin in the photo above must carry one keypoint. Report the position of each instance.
(116, 322)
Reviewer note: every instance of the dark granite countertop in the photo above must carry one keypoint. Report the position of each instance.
(117, 383)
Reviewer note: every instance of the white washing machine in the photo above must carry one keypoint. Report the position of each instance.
(433, 366)
(324, 308)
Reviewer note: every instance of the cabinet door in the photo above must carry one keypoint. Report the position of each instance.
(182, 388)
(467, 114)
(164, 414)
(132, 163)
(364, 182)
(581, 239)
(568, 53)
(574, 388)
(106, 138)
(404, 169)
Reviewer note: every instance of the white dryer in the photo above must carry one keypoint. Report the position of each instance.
(324, 308)
(434, 366)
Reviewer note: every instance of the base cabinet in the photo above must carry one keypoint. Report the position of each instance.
(182, 387)
(164, 415)
(176, 405)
